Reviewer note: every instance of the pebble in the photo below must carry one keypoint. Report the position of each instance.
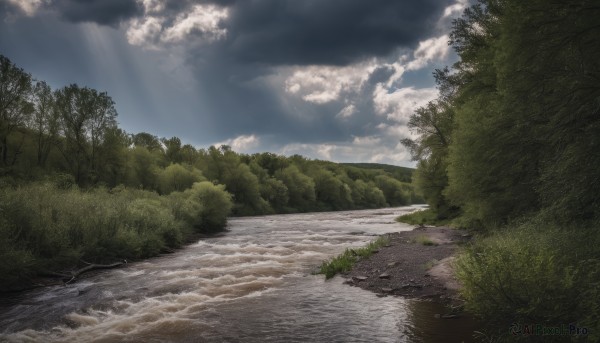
(384, 276)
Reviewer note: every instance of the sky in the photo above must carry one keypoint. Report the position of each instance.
(328, 79)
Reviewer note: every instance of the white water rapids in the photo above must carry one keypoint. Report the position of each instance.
(251, 284)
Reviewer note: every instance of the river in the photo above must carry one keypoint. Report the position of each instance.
(251, 284)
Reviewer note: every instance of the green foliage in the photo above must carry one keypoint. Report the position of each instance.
(395, 192)
(423, 217)
(344, 262)
(49, 228)
(529, 273)
(367, 195)
(330, 191)
(400, 173)
(205, 206)
(178, 178)
(514, 135)
(301, 188)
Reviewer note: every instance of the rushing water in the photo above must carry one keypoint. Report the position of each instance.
(252, 284)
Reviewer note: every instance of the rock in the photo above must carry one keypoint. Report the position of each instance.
(381, 295)
(359, 278)
(384, 276)
(392, 264)
(388, 245)
(426, 275)
(412, 280)
(386, 290)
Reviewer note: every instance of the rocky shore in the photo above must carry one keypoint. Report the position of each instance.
(415, 264)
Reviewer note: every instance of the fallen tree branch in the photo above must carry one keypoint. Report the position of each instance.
(91, 267)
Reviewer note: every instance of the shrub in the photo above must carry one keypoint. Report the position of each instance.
(48, 227)
(205, 206)
(532, 273)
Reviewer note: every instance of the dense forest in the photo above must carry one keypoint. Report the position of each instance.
(75, 187)
(511, 150)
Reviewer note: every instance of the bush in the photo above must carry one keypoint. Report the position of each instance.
(178, 178)
(48, 227)
(205, 206)
(532, 273)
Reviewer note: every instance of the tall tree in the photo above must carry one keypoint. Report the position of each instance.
(85, 115)
(45, 121)
(15, 107)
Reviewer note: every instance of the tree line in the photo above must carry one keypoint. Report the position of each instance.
(75, 187)
(511, 149)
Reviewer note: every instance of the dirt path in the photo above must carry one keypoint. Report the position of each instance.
(416, 264)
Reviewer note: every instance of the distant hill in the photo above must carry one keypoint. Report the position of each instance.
(400, 173)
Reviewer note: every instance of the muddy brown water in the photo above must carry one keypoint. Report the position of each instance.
(252, 284)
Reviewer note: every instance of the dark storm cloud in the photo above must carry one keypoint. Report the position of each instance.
(327, 32)
(104, 12)
(262, 34)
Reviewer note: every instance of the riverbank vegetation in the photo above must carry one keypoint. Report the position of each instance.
(75, 187)
(344, 262)
(510, 149)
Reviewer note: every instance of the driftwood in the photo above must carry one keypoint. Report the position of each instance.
(73, 275)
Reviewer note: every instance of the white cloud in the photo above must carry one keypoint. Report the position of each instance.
(347, 111)
(154, 28)
(152, 6)
(456, 8)
(429, 50)
(29, 7)
(145, 31)
(206, 19)
(243, 143)
(366, 141)
(399, 104)
(323, 84)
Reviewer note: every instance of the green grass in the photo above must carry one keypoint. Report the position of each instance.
(423, 217)
(344, 262)
(424, 239)
(534, 273)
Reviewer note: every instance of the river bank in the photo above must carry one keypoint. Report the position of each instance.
(415, 264)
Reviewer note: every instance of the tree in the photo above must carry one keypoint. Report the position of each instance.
(15, 108)
(178, 178)
(433, 123)
(173, 148)
(45, 121)
(85, 116)
(301, 188)
(330, 192)
(148, 141)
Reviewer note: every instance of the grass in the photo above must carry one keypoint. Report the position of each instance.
(344, 262)
(423, 217)
(534, 273)
(425, 240)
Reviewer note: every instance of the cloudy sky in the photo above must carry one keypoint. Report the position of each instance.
(328, 79)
